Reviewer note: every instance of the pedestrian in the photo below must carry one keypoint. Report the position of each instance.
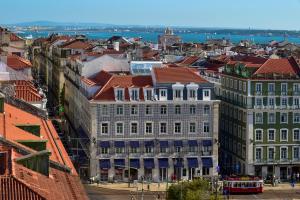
(298, 177)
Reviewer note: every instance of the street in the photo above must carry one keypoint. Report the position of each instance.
(96, 193)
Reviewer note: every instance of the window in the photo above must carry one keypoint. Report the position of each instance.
(134, 110)
(192, 149)
(283, 102)
(296, 134)
(283, 153)
(296, 153)
(177, 109)
(148, 128)
(296, 118)
(192, 127)
(177, 127)
(296, 88)
(271, 88)
(283, 118)
(206, 109)
(258, 135)
(134, 96)
(240, 85)
(206, 94)
(206, 127)
(104, 150)
(258, 102)
(104, 110)
(177, 149)
(133, 128)
(271, 135)
(258, 154)
(148, 94)
(192, 109)
(283, 88)
(258, 88)
(163, 94)
(104, 128)
(271, 102)
(163, 149)
(258, 118)
(283, 135)
(163, 128)
(119, 150)
(120, 94)
(120, 110)
(296, 102)
(163, 110)
(271, 153)
(271, 118)
(134, 149)
(192, 94)
(244, 86)
(177, 94)
(119, 128)
(148, 110)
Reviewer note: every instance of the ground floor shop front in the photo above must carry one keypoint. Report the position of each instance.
(155, 170)
(281, 172)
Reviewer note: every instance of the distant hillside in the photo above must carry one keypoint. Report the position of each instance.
(53, 24)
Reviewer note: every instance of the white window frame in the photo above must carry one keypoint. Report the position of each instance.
(287, 152)
(132, 95)
(190, 127)
(137, 128)
(101, 125)
(137, 110)
(293, 155)
(195, 107)
(146, 96)
(204, 127)
(287, 117)
(163, 98)
(160, 109)
(122, 110)
(273, 100)
(261, 153)
(206, 98)
(274, 154)
(269, 122)
(296, 129)
(117, 92)
(116, 127)
(257, 86)
(281, 88)
(204, 110)
(262, 135)
(294, 114)
(163, 122)
(189, 94)
(175, 109)
(102, 110)
(273, 86)
(287, 135)
(151, 108)
(262, 118)
(174, 127)
(274, 135)
(145, 128)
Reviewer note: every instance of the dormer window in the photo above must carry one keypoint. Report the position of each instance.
(134, 94)
(148, 93)
(119, 93)
(177, 91)
(192, 94)
(192, 91)
(163, 94)
(206, 94)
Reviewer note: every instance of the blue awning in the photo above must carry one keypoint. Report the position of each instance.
(149, 143)
(134, 144)
(164, 144)
(149, 163)
(178, 162)
(119, 144)
(207, 143)
(192, 162)
(104, 144)
(104, 164)
(193, 143)
(120, 163)
(178, 143)
(207, 162)
(135, 163)
(163, 162)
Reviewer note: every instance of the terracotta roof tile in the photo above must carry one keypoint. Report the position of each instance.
(26, 91)
(13, 37)
(279, 66)
(189, 60)
(17, 62)
(177, 74)
(76, 44)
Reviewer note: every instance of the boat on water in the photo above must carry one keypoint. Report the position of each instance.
(29, 37)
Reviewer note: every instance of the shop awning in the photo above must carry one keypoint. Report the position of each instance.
(135, 163)
(163, 162)
(192, 162)
(149, 163)
(104, 144)
(178, 162)
(120, 163)
(207, 162)
(207, 143)
(178, 143)
(149, 143)
(134, 144)
(193, 143)
(164, 144)
(104, 164)
(120, 144)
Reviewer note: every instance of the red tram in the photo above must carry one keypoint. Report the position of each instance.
(248, 184)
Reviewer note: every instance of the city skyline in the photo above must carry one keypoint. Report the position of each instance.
(191, 13)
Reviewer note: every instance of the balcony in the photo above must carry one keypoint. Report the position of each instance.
(206, 153)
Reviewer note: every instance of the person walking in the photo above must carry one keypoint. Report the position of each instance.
(298, 176)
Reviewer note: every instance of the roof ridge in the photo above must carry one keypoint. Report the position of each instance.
(102, 88)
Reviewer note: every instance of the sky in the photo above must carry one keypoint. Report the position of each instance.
(262, 14)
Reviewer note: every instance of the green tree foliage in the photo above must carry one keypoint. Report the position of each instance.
(195, 190)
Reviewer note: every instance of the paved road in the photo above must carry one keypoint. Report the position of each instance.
(96, 193)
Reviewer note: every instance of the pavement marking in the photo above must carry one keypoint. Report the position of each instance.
(255, 197)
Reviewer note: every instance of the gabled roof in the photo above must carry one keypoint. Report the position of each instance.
(189, 60)
(26, 91)
(14, 37)
(279, 66)
(76, 44)
(106, 92)
(17, 62)
(176, 74)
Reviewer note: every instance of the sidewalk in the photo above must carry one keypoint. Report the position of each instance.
(161, 187)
